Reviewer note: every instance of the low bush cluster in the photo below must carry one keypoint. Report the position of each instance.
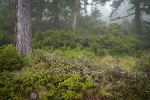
(144, 62)
(47, 84)
(111, 43)
(71, 75)
(10, 59)
(104, 63)
(55, 39)
(5, 37)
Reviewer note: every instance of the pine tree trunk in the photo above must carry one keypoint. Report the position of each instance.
(56, 14)
(23, 32)
(137, 18)
(75, 13)
(92, 7)
(85, 7)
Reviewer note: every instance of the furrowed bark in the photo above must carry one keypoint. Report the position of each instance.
(75, 14)
(23, 32)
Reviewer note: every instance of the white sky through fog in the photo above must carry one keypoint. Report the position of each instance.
(105, 10)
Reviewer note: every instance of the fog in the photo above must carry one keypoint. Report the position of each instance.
(122, 11)
(74, 50)
(104, 9)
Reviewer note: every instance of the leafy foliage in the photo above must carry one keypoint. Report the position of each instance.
(55, 86)
(5, 38)
(10, 59)
(6, 86)
(72, 74)
(56, 39)
(144, 62)
(97, 61)
(114, 43)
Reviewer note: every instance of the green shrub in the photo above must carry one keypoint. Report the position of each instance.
(117, 29)
(71, 75)
(113, 42)
(10, 59)
(133, 87)
(116, 45)
(144, 62)
(55, 39)
(56, 85)
(5, 38)
(7, 88)
(71, 88)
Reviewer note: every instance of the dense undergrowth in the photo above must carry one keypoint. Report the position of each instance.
(73, 74)
(109, 64)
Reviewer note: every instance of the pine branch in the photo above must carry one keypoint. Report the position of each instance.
(122, 17)
(146, 23)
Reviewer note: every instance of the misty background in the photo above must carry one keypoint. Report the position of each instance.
(106, 9)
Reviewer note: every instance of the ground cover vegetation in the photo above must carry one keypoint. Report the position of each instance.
(95, 61)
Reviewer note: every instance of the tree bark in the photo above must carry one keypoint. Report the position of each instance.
(92, 6)
(85, 7)
(75, 13)
(23, 32)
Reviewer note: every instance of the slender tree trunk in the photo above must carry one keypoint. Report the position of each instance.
(92, 7)
(85, 7)
(75, 14)
(137, 18)
(23, 32)
(56, 14)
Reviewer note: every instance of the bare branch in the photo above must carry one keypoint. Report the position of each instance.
(122, 17)
(146, 23)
